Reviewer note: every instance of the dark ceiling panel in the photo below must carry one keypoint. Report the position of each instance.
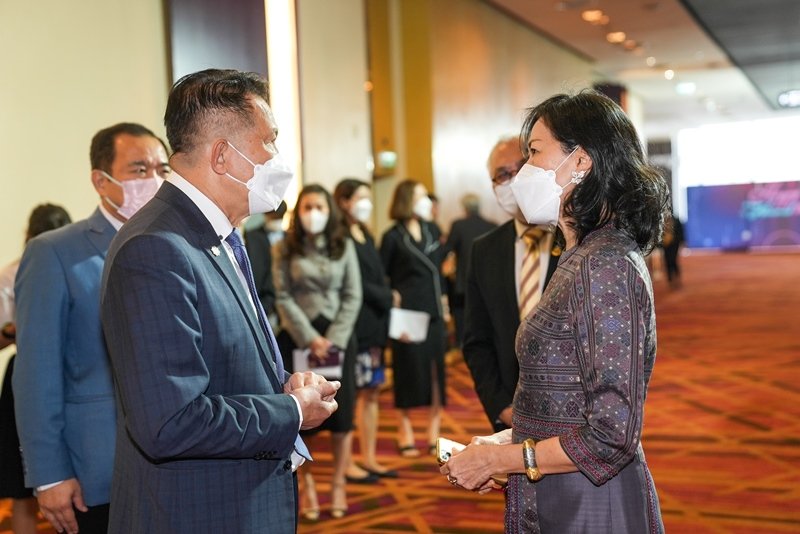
(762, 37)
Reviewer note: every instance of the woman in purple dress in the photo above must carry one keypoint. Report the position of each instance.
(586, 351)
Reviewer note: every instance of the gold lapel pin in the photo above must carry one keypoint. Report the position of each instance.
(215, 250)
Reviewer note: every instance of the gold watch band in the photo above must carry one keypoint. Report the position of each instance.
(529, 460)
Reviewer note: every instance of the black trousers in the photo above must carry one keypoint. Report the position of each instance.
(93, 521)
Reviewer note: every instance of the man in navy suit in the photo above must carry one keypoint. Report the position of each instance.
(207, 439)
(62, 380)
(491, 310)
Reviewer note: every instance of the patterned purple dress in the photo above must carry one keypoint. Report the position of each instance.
(585, 358)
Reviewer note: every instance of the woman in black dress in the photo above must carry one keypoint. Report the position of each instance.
(354, 199)
(412, 256)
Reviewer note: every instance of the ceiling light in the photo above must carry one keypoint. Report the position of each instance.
(685, 88)
(669, 74)
(629, 44)
(651, 61)
(789, 99)
(592, 15)
(615, 37)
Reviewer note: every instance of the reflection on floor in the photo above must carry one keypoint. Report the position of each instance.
(722, 429)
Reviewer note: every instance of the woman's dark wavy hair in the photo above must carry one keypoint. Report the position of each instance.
(296, 236)
(621, 186)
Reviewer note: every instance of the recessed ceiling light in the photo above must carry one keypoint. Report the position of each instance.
(789, 99)
(685, 88)
(629, 44)
(592, 15)
(651, 61)
(669, 74)
(615, 37)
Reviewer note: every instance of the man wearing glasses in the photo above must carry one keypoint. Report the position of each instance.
(507, 269)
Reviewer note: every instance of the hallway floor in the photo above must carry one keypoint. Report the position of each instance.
(722, 427)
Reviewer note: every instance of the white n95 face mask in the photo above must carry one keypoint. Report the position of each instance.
(268, 184)
(135, 193)
(361, 210)
(505, 198)
(314, 221)
(423, 208)
(537, 193)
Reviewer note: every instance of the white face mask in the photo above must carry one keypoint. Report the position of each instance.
(314, 221)
(274, 225)
(505, 198)
(361, 210)
(423, 208)
(537, 193)
(268, 184)
(135, 193)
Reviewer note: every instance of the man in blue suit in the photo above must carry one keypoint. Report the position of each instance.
(62, 380)
(207, 439)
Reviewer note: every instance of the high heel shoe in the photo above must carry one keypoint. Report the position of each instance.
(338, 500)
(311, 503)
(408, 451)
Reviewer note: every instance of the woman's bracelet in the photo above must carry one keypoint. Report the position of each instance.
(529, 460)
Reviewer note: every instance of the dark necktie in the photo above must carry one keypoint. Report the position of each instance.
(240, 253)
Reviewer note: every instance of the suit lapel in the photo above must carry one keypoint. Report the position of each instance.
(507, 246)
(99, 232)
(211, 244)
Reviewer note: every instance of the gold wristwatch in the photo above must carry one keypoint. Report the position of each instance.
(529, 459)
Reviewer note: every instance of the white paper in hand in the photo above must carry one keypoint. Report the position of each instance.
(414, 324)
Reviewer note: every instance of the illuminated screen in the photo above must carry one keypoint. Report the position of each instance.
(744, 215)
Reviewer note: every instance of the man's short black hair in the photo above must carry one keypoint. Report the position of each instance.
(102, 153)
(205, 96)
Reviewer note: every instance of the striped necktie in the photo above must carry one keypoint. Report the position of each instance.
(530, 274)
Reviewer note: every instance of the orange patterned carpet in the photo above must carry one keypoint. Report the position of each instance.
(722, 431)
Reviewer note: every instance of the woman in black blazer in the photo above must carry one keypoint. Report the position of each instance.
(354, 199)
(412, 256)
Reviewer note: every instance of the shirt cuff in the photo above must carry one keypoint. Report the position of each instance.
(299, 411)
(46, 487)
(297, 459)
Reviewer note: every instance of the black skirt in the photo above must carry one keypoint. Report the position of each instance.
(12, 482)
(342, 418)
(413, 366)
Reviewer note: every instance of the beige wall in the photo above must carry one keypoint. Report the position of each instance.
(334, 105)
(487, 69)
(70, 69)
(89, 64)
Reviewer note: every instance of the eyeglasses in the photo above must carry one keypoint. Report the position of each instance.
(503, 174)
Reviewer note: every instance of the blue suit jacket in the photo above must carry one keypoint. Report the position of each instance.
(205, 434)
(62, 380)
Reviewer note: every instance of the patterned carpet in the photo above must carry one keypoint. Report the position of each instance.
(722, 430)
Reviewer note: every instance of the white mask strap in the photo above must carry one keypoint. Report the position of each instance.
(111, 178)
(245, 157)
(560, 164)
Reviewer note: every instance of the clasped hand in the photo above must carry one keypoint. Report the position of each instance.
(315, 394)
(472, 468)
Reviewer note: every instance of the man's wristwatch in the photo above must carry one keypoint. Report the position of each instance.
(529, 460)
